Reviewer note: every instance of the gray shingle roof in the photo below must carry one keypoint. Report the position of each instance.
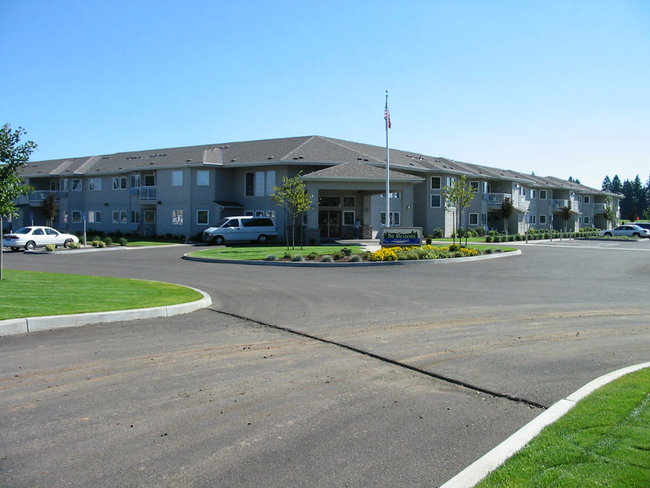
(359, 171)
(305, 150)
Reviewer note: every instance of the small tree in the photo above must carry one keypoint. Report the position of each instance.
(610, 212)
(13, 155)
(49, 208)
(507, 211)
(458, 197)
(293, 196)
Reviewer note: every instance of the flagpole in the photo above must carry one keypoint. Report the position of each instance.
(387, 118)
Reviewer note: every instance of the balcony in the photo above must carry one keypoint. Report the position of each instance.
(496, 199)
(599, 207)
(561, 203)
(36, 198)
(147, 193)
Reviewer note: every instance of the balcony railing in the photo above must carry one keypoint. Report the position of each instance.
(36, 198)
(148, 193)
(496, 198)
(600, 207)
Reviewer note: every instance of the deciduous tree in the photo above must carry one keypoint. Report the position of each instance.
(293, 196)
(458, 196)
(13, 155)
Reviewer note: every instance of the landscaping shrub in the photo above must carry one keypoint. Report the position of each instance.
(489, 251)
(511, 238)
(438, 233)
(74, 245)
(346, 251)
(271, 257)
(519, 237)
(480, 232)
(287, 255)
(326, 259)
(50, 247)
(385, 254)
(366, 255)
(356, 259)
(407, 254)
(298, 258)
(312, 256)
(338, 255)
(123, 241)
(108, 241)
(489, 238)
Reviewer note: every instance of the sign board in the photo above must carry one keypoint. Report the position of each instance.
(401, 236)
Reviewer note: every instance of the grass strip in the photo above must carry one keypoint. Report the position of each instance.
(35, 294)
(603, 441)
(260, 252)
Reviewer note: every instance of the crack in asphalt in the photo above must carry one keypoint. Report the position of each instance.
(389, 361)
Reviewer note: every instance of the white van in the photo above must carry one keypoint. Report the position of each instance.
(241, 229)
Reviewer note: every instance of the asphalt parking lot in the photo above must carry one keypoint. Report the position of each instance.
(391, 376)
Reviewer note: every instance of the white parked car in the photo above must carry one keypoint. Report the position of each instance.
(35, 236)
(629, 230)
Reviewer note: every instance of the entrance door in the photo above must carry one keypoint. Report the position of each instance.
(329, 223)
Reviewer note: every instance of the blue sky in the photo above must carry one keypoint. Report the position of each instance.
(555, 87)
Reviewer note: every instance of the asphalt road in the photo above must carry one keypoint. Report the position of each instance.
(315, 377)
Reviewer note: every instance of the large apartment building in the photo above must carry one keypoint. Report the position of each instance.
(182, 191)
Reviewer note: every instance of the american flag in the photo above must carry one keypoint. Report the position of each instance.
(387, 115)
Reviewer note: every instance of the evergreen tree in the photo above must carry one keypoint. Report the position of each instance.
(607, 184)
(617, 186)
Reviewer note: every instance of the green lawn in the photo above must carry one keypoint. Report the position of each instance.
(603, 441)
(260, 252)
(33, 294)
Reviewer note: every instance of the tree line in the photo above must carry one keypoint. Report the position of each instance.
(636, 196)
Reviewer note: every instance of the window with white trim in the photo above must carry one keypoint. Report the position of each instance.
(149, 216)
(436, 183)
(474, 185)
(542, 220)
(259, 183)
(119, 183)
(436, 201)
(135, 181)
(94, 184)
(177, 178)
(533, 194)
(135, 216)
(76, 216)
(586, 219)
(202, 177)
(64, 216)
(177, 217)
(202, 217)
(473, 219)
(76, 185)
(95, 217)
(119, 216)
(587, 199)
(348, 217)
(542, 194)
(394, 219)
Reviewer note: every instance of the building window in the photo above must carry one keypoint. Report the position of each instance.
(202, 177)
(394, 219)
(250, 184)
(473, 219)
(202, 217)
(76, 216)
(329, 201)
(54, 186)
(177, 217)
(64, 184)
(95, 217)
(586, 218)
(542, 219)
(119, 183)
(270, 182)
(150, 179)
(435, 183)
(64, 216)
(349, 202)
(271, 214)
(533, 219)
(94, 184)
(135, 216)
(149, 216)
(177, 178)
(76, 185)
(249, 213)
(135, 181)
(587, 199)
(533, 194)
(348, 217)
(119, 216)
(451, 180)
(393, 194)
(436, 201)
(474, 185)
(483, 219)
(542, 194)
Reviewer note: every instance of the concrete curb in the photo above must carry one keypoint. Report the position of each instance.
(35, 324)
(478, 470)
(311, 264)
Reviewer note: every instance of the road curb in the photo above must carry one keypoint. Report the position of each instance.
(311, 264)
(36, 324)
(479, 469)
